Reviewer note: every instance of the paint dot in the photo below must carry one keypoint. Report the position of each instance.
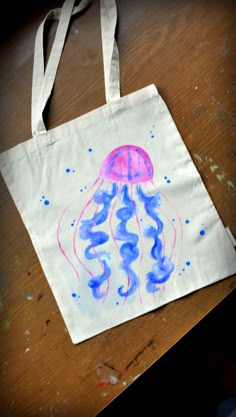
(202, 232)
(173, 220)
(72, 224)
(81, 189)
(67, 169)
(43, 196)
(187, 221)
(73, 294)
(180, 273)
(117, 303)
(188, 263)
(165, 178)
(183, 269)
(46, 202)
(90, 150)
(73, 170)
(168, 181)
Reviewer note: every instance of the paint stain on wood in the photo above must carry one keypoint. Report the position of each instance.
(196, 156)
(230, 184)
(107, 373)
(135, 360)
(213, 168)
(40, 296)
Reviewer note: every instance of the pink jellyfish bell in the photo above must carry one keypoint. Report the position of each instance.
(127, 164)
(120, 198)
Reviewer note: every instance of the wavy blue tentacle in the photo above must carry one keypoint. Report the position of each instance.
(128, 250)
(163, 268)
(98, 238)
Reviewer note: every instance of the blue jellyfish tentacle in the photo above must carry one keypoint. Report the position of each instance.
(98, 238)
(163, 268)
(128, 250)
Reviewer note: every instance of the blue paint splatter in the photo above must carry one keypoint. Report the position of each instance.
(167, 179)
(173, 220)
(188, 263)
(128, 250)
(183, 269)
(67, 169)
(117, 303)
(98, 238)
(202, 232)
(187, 221)
(90, 150)
(45, 202)
(73, 295)
(163, 268)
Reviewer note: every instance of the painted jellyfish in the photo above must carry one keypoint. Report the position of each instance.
(109, 228)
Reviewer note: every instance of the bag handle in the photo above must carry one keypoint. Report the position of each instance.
(110, 50)
(43, 79)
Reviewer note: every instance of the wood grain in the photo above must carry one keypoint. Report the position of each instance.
(187, 49)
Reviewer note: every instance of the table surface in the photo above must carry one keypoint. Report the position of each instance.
(187, 49)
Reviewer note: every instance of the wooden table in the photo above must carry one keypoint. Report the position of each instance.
(188, 50)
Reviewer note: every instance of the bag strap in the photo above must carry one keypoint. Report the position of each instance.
(43, 79)
(110, 50)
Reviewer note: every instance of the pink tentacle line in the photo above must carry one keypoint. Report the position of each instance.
(175, 233)
(174, 241)
(113, 236)
(76, 228)
(59, 227)
(163, 238)
(99, 259)
(111, 216)
(180, 223)
(162, 233)
(141, 240)
(95, 252)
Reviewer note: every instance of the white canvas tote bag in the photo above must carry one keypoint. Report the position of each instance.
(116, 210)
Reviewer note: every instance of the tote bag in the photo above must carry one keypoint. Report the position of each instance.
(120, 220)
